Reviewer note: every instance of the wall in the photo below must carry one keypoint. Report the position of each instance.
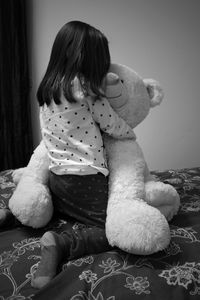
(159, 39)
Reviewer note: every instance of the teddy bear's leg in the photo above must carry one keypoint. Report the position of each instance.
(163, 197)
(137, 228)
(17, 174)
(36, 167)
(132, 224)
(31, 201)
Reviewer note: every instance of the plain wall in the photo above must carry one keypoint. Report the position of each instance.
(158, 39)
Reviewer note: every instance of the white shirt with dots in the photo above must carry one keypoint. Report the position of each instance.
(71, 132)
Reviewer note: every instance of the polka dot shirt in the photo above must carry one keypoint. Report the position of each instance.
(71, 132)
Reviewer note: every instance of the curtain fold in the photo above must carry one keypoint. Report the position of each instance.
(15, 113)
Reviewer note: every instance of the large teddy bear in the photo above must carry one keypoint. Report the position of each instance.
(139, 207)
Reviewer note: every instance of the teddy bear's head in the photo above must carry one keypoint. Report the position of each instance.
(131, 96)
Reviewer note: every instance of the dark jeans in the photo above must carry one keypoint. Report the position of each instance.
(85, 199)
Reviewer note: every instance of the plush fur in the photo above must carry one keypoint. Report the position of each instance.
(139, 207)
(31, 201)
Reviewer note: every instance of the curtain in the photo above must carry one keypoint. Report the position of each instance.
(15, 117)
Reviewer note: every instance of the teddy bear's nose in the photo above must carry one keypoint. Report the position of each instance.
(112, 79)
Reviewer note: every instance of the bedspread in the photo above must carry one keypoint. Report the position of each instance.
(115, 275)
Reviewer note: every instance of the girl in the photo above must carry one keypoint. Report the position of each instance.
(73, 111)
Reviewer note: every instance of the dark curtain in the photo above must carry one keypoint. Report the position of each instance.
(15, 117)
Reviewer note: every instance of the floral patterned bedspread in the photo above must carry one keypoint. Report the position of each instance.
(115, 275)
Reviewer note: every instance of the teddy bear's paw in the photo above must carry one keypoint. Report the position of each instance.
(137, 228)
(164, 197)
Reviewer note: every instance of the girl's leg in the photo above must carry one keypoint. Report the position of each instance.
(69, 245)
(85, 241)
(85, 199)
(52, 247)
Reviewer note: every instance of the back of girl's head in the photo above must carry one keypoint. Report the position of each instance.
(78, 50)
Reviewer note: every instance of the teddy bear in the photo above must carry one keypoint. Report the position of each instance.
(139, 206)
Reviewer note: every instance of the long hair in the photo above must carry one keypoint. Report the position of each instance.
(78, 50)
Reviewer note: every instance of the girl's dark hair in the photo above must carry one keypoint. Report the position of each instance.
(78, 50)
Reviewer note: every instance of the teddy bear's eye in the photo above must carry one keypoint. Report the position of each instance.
(122, 80)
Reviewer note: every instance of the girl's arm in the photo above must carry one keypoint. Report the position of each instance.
(108, 120)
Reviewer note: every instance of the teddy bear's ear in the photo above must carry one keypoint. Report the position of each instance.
(155, 91)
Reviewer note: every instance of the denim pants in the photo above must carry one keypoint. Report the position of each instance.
(84, 198)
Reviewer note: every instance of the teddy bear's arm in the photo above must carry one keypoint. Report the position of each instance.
(127, 169)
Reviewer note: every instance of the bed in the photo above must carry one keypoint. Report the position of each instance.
(115, 275)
